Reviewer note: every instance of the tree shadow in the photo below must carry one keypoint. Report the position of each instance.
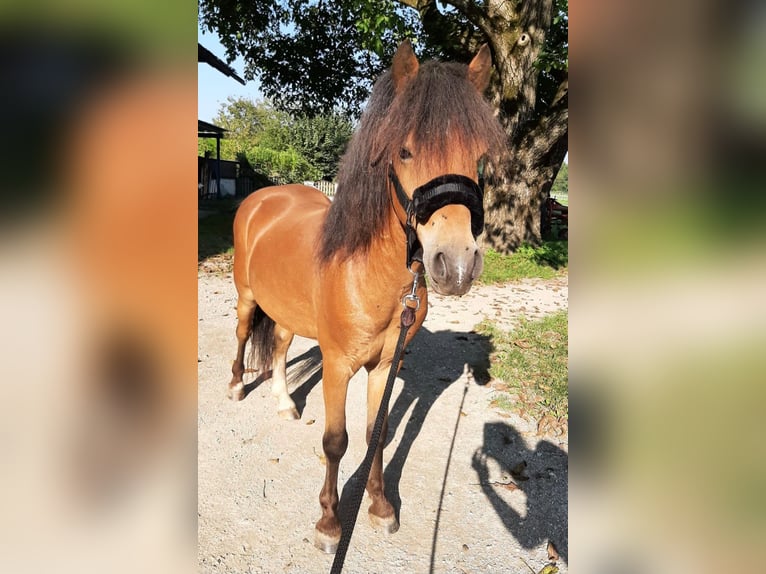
(541, 474)
(554, 254)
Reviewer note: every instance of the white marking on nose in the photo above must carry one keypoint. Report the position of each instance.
(460, 274)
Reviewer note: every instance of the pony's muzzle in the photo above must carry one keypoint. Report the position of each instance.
(453, 270)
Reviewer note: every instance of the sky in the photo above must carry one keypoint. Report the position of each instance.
(213, 87)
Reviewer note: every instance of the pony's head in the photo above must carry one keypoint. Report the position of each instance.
(440, 129)
(424, 134)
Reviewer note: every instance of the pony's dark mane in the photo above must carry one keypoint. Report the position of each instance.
(441, 109)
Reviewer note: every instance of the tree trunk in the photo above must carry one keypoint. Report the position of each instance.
(512, 215)
(515, 196)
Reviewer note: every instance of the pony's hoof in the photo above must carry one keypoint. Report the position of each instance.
(326, 543)
(290, 414)
(388, 524)
(236, 392)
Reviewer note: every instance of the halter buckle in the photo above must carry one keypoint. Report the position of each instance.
(412, 295)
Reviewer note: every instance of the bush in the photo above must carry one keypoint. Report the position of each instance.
(281, 166)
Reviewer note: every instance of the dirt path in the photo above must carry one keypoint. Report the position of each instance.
(259, 476)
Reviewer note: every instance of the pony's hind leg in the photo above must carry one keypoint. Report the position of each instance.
(286, 406)
(245, 312)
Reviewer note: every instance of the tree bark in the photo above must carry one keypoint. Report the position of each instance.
(514, 197)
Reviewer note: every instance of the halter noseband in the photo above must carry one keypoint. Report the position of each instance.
(441, 191)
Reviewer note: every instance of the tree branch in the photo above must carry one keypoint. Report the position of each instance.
(551, 126)
(447, 32)
(473, 14)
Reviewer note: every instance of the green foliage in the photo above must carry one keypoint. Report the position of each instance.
(244, 120)
(287, 165)
(553, 61)
(382, 24)
(530, 366)
(310, 57)
(205, 145)
(544, 262)
(279, 145)
(561, 183)
(321, 139)
(555, 54)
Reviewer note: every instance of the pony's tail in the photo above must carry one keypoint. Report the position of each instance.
(262, 339)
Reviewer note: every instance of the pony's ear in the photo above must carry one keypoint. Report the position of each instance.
(480, 68)
(405, 66)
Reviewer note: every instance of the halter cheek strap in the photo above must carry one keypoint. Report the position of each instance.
(428, 198)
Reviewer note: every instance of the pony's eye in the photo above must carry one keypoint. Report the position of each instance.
(405, 154)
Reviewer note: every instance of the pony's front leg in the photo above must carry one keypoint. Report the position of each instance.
(334, 442)
(381, 512)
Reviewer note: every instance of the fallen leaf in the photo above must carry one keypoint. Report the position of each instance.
(522, 343)
(549, 569)
(274, 460)
(311, 421)
(553, 554)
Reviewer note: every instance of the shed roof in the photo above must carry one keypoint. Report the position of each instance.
(207, 130)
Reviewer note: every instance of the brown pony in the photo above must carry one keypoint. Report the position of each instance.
(337, 271)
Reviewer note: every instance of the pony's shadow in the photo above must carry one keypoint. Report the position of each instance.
(306, 367)
(540, 473)
(433, 361)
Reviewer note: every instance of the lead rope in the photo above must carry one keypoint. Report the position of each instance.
(357, 489)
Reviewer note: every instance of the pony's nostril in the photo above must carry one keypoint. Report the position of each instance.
(440, 266)
(469, 267)
(478, 265)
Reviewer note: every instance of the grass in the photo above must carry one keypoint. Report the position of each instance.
(529, 367)
(544, 262)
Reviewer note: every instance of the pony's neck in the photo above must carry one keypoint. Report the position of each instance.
(391, 244)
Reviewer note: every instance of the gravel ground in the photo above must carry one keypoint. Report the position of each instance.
(452, 461)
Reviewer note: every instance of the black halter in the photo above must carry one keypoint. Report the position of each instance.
(432, 196)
